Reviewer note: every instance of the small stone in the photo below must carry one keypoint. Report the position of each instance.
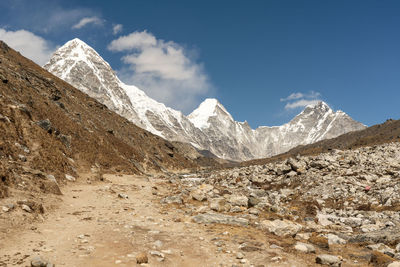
(254, 211)
(118, 261)
(167, 251)
(70, 178)
(39, 262)
(8, 207)
(394, 264)
(303, 247)
(124, 196)
(303, 236)
(157, 253)
(277, 258)
(281, 227)
(22, 158)
(273, 246)
(177, 199)
(330, 260)
(44, 124)
(239, 256)
(26, 208)
(211, 218)
(51, 177)
(142, 258)
(199, 195)
(334, 239)
(398, 247)
(158, 243)
(237, 200)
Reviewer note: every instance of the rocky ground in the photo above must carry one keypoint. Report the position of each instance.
(344, 204)
(336, 209)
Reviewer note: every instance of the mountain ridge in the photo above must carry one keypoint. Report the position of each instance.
(209, 127)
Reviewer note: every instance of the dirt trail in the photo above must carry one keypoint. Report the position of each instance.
(93, 226)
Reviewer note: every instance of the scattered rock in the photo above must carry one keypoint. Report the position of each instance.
(382, 248)
(303, 247)
(334, 239)
(281, 227)
(26, 208)
(199, 195)
(39, 262)
(330, 260)
(70, 178)
(219, 205)
(237, 200)
(142, 258)
(45, 124)
(210, 218)
(124, 196)
(157, 254)
(177, 199)
(239, 255)
(8, 207)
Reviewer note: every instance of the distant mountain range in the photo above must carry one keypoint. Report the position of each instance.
(209, 127)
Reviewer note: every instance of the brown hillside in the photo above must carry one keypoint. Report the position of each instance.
(378, 134)
(49, 127)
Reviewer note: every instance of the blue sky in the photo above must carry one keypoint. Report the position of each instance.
(262, 59)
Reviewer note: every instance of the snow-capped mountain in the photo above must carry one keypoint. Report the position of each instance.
(81, 66)
(209, 127)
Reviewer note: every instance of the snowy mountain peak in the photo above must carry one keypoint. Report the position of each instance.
(80, 65)
(209, 127)
(76, 41)
(320, 105)
(210, 107)
(76, 48)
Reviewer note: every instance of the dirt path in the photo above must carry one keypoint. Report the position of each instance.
(94, 226)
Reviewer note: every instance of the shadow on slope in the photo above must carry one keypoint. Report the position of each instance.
(47, 127)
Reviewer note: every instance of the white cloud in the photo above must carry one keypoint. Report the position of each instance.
(135, 40)
(301, 100)
(164, 70)
(301, 103)
(87, 20)
(117, 28)
(292, 96)
(28, 44)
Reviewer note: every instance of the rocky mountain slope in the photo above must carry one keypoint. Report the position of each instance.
(209, 127)
(230, 138)
(49, 130)
(386, 132)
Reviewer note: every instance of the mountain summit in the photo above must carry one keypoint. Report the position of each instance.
(209, 127)
(210, 107)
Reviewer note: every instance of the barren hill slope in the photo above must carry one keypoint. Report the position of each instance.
(47, 127)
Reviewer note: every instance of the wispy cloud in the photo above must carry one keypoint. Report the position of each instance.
(45, 16)
(301, 100)
(163, 69)
(301, 103)
(86, 21)
(292, 96)
(28, 44)
(117, 28)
